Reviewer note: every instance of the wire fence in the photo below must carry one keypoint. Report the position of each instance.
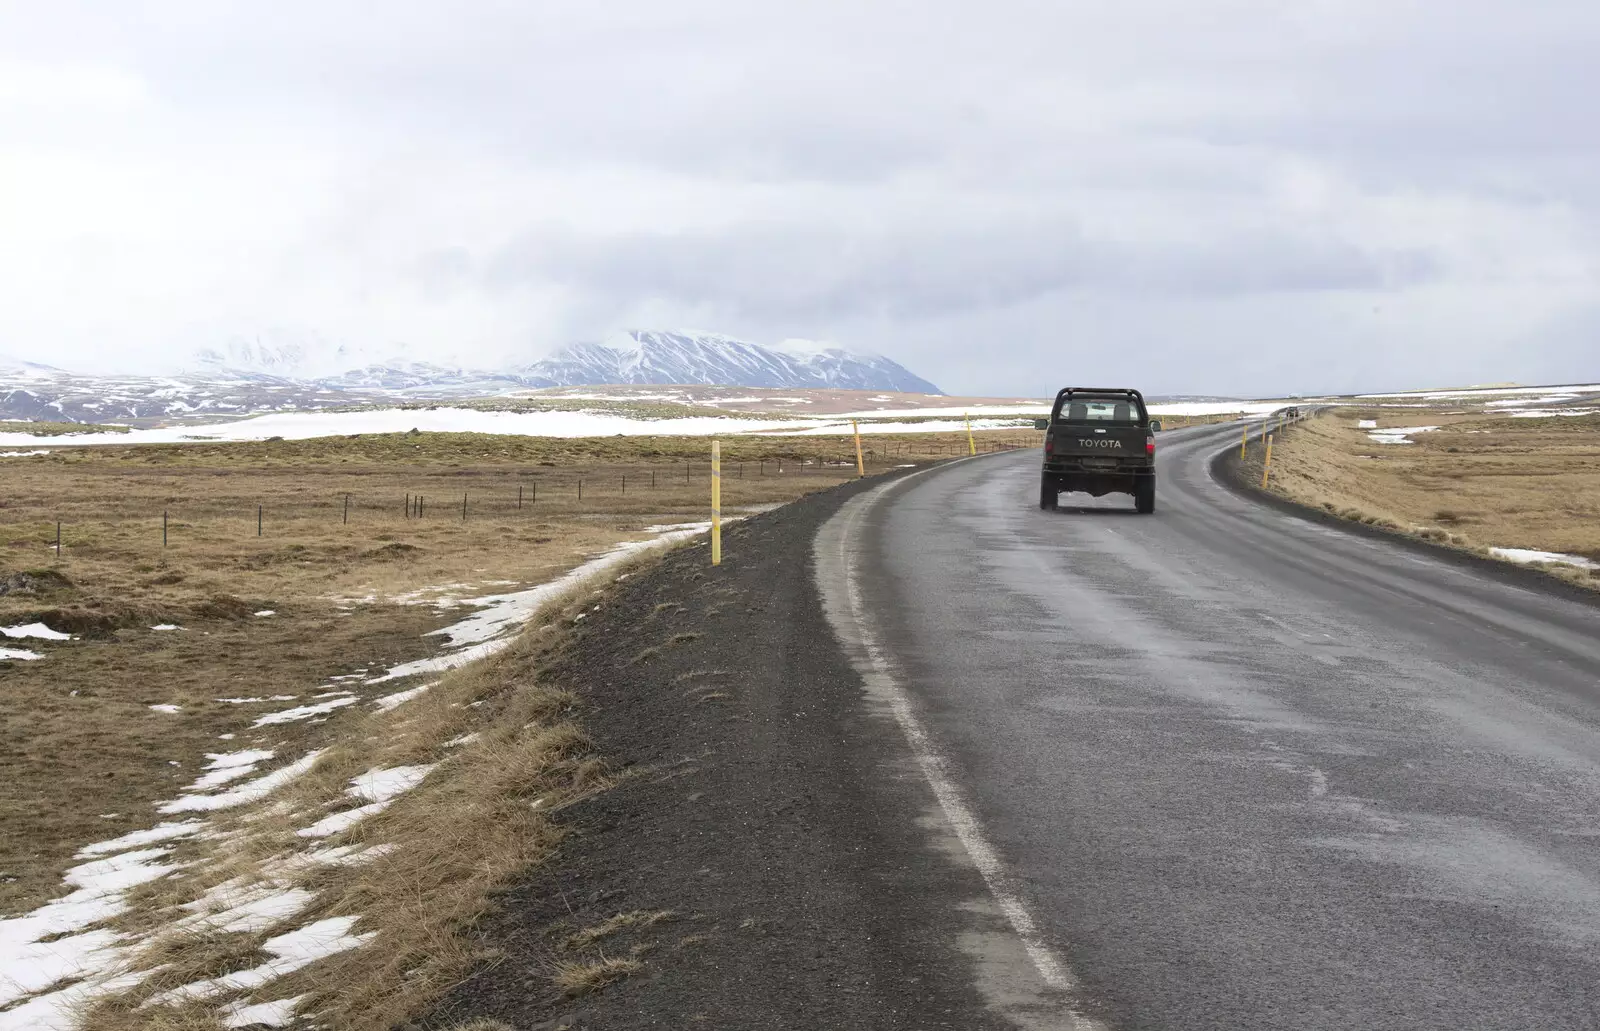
(438, 496)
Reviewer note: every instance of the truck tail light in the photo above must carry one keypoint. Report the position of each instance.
(1149, 445)
(1049, 445)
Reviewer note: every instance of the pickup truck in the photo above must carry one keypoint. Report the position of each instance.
(1099, 441)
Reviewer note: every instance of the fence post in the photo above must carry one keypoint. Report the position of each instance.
(716, 503)
(408, 506)
(519, 497)
(58, 540)
(1266, 469)
(624, 484)
(580, 488)
(463, 506)
(347, 509)
(258, 519)
(163, 527)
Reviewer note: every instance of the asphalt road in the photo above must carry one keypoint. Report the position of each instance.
(1244, 771)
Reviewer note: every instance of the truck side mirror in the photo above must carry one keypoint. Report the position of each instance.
(1041, 424)
(1155, 425)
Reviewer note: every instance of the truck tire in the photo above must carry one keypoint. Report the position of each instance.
(1048, 490)
(1144, 495)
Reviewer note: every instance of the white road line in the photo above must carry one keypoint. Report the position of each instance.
(883, 681)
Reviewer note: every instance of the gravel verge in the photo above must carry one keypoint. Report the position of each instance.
(766, 860)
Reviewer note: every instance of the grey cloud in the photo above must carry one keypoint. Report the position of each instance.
(803, 273)
(1388, 187)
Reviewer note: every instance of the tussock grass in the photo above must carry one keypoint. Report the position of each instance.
(582, 977)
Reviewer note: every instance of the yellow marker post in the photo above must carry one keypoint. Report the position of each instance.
(972, 446)
(1266, 470)
(1244, 441)
(861, 466)
(716, 503)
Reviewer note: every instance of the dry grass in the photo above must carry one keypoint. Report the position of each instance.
(479, 818)
(1481, 480)
(581, 977)
(82, 757)
(587, 937)
(57, 429)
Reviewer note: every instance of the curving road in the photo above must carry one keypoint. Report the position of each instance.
(1243, 771)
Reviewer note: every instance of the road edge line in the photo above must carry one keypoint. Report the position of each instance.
(852, 626)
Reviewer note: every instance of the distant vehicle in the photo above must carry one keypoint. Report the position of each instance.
(1099, 441)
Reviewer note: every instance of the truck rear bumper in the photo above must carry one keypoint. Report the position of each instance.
(1123, 478)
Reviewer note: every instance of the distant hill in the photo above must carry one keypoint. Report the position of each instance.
(278, 371)
(647, 356)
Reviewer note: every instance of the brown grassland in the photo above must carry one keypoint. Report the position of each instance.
(83, 756)
(1481, 480)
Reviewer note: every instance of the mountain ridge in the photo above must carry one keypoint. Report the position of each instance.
(286, 372)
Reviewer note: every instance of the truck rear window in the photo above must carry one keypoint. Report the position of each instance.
(1119, 412)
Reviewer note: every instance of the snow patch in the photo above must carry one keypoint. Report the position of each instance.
(236, 907)
(290, 952)
(29, 965)
(279, 1013)
(386, 785)
(227, 767)
(1546, 413)
(303, 712)
(1398, 435)
(38, 630)
(159, 833)
(1527, 556)
(249, 791)
(390, 702)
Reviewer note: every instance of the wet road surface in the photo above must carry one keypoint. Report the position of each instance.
(1248, 771)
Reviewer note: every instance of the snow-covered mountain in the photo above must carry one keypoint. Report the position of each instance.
(284, 372)
(648, 356)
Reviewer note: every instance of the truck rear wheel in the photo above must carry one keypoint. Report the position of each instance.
(1048, 491)
(1144, 495)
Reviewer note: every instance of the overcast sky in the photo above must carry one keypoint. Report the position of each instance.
(1243, 196)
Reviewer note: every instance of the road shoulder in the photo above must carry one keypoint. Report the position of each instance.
(769, 849)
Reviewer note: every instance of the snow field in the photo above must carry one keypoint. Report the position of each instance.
(306, 425)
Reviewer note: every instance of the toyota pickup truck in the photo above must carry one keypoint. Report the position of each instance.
(1099, 441)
